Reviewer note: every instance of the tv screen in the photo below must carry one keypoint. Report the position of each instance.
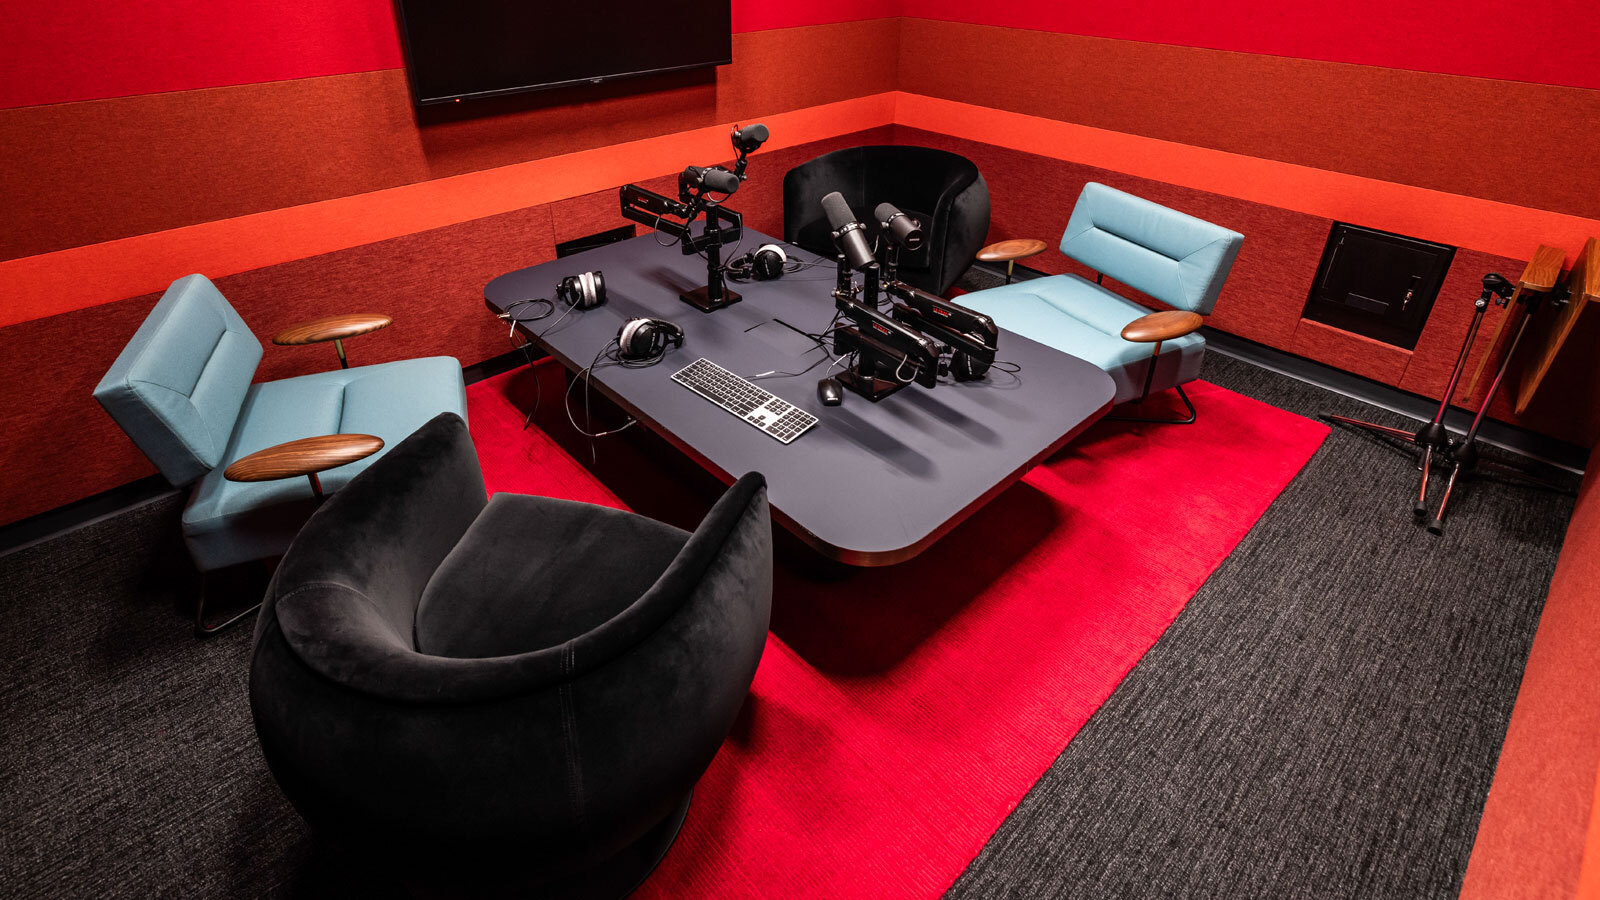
(459, 49)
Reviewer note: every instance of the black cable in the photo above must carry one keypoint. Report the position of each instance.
(586, 376)
(527, 354)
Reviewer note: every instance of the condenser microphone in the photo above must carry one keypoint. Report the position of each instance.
(749, 138)
(902, 230)
(712, 178)
(849, 235)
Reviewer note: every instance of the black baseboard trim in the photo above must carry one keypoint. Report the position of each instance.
(51, 523)
(1512, 438)
(72, 516)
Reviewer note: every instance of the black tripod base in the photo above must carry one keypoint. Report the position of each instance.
(700, 298)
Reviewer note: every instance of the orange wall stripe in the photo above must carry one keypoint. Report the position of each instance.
(52, 283)
(1502, 229)
(81, 277)
(1589, 872)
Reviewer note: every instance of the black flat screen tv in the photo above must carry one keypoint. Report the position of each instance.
(464, 49)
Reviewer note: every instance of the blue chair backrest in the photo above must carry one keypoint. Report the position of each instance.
(176, 389)
(1177, 259)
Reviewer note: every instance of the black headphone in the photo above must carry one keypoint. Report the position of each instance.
(764, 263)
(586, 290)
(646, 340)
(965, 367)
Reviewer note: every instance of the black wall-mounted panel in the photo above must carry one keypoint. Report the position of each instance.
(462, 49)
(1378, 284)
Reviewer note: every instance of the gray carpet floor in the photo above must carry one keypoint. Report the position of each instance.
(1324, 717)
(1321, 721)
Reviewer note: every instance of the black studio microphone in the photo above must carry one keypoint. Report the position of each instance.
(902, 230)
(749, 138)
(712, 178)
(849, 235)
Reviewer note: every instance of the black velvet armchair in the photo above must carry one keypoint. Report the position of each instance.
(522, 691)
(942, 189)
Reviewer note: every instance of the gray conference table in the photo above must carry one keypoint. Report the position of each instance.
(871, 483)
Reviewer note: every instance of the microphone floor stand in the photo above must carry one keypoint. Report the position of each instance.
(1464, 455)
(1432, 437)
(1436, 442)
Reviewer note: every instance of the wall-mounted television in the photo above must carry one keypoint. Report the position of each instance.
(465, 49)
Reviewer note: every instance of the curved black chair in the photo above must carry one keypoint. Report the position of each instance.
(522, 691)
(943, 189)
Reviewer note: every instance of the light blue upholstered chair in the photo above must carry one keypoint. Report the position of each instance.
(181, 389)
(1174, 258)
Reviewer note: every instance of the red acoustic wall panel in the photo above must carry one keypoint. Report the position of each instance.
(86, 50)
(1271, 279)
(1541, 41)
(430, 282)
(1442, 132)
(162, 161)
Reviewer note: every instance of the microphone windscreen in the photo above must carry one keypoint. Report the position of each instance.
(886, 211)
(720, 180)
(838, 211)
(753, 134)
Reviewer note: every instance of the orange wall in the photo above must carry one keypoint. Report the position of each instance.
(1531, 840)
(109, 198)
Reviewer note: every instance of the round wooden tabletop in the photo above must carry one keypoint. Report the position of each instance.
(333, 328)
(306, 456)
(1016, 248)
(1162, 326)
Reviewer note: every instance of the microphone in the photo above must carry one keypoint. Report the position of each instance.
(711, 178)
(849, 235)
(750, 137)
(903, 231)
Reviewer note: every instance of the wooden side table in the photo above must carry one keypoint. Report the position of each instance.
(1157, 328)
(307, 457)
(1010, 251)
(333, 328)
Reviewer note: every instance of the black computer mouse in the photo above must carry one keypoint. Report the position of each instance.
(830, 392)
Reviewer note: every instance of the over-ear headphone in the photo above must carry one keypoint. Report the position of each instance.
(965, 367)
(586, 290)
(764, 263)
(646, 340)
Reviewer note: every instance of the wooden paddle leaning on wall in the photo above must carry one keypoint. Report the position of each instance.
(1549, 336)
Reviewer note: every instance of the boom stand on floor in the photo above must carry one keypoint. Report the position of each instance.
(1434, 439)
(1461, 455)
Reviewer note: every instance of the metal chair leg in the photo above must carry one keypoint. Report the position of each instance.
(1189, 420)
(1149, 376)
(201, 629)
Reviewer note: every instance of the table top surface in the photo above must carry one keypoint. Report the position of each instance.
(870, 483)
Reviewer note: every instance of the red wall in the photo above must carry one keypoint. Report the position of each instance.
(69, 50)
(1541, 41)
(122, 120)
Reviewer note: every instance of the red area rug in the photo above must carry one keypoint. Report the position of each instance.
(899, 714)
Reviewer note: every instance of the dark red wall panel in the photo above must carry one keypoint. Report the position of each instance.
(1267, 289)
(431, 283)
(1526, 144)
(81, 173)
(1542, 41)
(86, 50)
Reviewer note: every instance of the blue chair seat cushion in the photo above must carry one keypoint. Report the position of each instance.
(226, 522)
(535, 572)
(1077, 316)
